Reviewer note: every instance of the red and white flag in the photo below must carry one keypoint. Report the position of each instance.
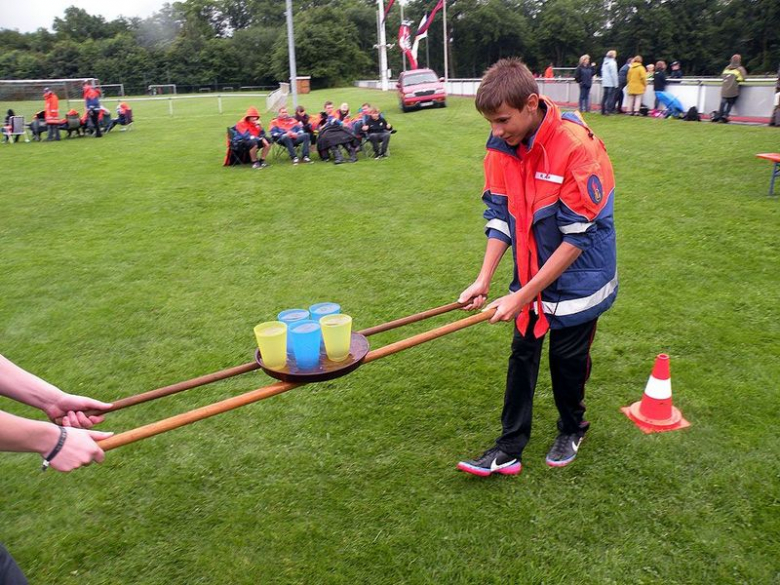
(405, 43)
(387, 9)
(418, 37)
(427, 24)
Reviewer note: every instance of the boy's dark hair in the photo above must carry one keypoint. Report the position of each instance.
(328, 103)
(507, 81)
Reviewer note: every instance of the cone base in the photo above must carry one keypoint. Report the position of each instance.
(648, 425)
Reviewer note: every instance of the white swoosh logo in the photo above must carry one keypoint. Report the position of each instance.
(576, 446)
(494, 467)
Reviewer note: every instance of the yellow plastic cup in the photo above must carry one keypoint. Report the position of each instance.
(272, 341)
(337, 335)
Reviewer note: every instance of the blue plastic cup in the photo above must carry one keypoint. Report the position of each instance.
(306, 339)
(319, 310)
(291, 316)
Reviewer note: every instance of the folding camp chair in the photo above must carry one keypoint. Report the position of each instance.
(236, 153)
(15, 129)
(73, 124)
(127, 124)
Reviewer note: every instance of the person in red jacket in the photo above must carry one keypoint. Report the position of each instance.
(549, 191)
(92, 106)
(251, 136)
(52, 110)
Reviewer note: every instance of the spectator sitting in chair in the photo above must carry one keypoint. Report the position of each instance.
(7, 129)
(307, 122)
(343, 113)
(289, 132)
(38, 125)
(378, 132)
(73, 123)
(360, 120)
(124, 116)
(338, 134)
(252, 136)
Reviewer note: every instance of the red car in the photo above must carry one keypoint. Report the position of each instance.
(418, 88)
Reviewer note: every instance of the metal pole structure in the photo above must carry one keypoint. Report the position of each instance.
(291, 49)
(446, 44)
(382, 47)
(403, 53)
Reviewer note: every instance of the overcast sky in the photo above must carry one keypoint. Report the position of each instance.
(29, 15)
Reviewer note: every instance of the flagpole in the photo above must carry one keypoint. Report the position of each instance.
(446, 44)
(403, 55)
(291, 49)
(382, 46)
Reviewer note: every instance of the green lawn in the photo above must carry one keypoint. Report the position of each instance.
(137, 261)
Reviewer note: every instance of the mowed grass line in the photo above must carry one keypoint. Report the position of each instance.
(136, 261)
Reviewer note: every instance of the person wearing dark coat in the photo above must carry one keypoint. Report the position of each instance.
(377, 131)
(583, 75)
(622, 83)
(659, 80)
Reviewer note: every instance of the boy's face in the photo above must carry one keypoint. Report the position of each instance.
(513, 125)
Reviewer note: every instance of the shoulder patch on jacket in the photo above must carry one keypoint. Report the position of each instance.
(595, 189)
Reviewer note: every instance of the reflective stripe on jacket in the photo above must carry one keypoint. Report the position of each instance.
(558, 189)
(52, 108)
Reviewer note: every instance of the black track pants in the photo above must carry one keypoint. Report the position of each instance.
(569, 370)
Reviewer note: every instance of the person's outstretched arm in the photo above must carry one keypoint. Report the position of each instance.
(29, 389)
(31, 436)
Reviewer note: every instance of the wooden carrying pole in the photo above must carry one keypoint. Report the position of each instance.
(248, 367)
(192, 416)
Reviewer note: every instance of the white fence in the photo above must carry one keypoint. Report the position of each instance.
(757, 98)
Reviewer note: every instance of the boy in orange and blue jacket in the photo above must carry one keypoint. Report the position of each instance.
(549, 191)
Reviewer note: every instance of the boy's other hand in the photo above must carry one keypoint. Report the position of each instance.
(507, 307)
(475, 296)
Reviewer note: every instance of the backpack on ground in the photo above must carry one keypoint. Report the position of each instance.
(692, 115)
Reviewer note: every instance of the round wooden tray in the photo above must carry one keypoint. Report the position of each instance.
(326, 370)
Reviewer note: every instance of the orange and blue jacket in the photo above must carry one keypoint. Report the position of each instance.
(281, 126)
(559, 187)
(52, 108)
(91, 97)
(247, 129)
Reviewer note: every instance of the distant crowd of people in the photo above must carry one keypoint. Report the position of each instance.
(337, 134)
(629, 83)
(96, 119)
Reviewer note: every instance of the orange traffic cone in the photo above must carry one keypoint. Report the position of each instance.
(655, 413)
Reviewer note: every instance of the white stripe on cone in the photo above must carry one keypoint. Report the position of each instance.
(658, 389)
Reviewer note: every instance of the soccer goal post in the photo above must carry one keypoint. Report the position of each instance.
(19, 90)
(162, 89)
(113, 89)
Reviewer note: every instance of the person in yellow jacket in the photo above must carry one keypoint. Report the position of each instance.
(733, 75)
(637, 84)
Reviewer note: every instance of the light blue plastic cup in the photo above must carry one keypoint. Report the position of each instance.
(319, 310)
(291, 316)
(306, 339)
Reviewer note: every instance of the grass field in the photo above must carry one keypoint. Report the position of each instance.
(137, 261)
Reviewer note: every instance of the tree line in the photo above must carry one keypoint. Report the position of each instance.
(244, 42)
